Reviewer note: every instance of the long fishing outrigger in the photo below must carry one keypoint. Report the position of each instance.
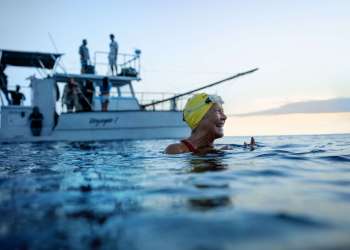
(174, 98)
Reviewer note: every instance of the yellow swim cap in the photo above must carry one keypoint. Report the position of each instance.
(197, 106)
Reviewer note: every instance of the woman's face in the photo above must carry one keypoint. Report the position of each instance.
(214, 120)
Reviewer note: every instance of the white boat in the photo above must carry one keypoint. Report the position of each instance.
(126, 117)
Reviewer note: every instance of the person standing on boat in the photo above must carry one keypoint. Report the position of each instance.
(105, 89)
(113, 54)
(17, 96)
(84, 56)
(3, 83)
(205, 116)
(88, 94)
(70, 96)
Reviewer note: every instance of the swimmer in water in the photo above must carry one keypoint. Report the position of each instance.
(204, 114)
(251, 145)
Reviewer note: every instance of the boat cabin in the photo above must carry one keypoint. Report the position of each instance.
(47, 65)
(46, 92)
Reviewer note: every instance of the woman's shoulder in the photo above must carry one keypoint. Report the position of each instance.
(176, 148)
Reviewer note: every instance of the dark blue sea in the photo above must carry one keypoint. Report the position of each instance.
(291, 192)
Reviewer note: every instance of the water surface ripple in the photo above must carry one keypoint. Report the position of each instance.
(292, 192)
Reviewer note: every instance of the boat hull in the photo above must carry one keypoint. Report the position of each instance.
(100, 126)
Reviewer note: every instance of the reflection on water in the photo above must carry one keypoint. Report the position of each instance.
(211, 163)
(207, 163)
(130, 195)
(210, 203)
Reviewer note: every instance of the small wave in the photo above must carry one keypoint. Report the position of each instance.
(206, 203)
(89, 215)
(44, 171)
(293, 157)
(276, 155)
(264, 173)
(337, 158)
(314, 151)
(271, 172)
(290, 146)
(266, 155)
(280, 151)
(343, 183)
(299, 220)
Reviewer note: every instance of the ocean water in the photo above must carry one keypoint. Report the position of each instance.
(292, 192)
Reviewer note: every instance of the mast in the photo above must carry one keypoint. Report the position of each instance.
(173, 99)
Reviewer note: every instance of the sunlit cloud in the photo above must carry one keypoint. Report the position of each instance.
(335, 105)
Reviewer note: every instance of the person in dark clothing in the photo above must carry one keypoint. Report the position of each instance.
(80, 95)
(3, 83)
(55, 119)
(105, 89)
(84, 56)
(36, 121)
(88, 92)
(58, 94)
(17, 96)
(70, 96)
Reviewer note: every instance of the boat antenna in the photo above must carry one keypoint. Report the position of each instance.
(53, 42)
(56, 50)
(173, 99)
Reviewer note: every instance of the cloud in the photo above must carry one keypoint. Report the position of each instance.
(322, 106)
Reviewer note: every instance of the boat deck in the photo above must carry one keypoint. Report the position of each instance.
(116, 81)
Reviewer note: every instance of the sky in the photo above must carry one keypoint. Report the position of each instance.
(300, 47)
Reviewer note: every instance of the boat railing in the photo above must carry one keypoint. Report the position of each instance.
(142, 98)
(147, 97)
(125, 61)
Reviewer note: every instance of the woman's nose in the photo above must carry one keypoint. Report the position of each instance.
(223, 117)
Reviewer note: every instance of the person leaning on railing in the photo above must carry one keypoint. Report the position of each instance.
(16, 96)
(70, 96)
(88, 94)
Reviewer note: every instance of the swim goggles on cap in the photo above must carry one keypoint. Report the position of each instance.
(210, 99)
(214, 99)
(198, 106)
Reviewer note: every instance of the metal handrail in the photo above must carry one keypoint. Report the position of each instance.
(106, 53)
(133, 60)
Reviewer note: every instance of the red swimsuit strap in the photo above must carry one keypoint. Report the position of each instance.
(189, 146)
